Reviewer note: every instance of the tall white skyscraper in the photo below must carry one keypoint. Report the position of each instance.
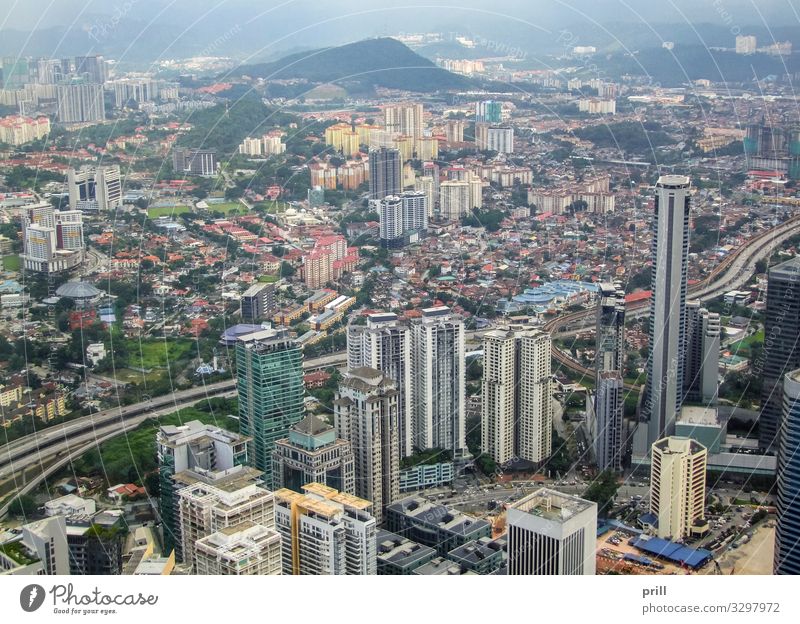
(384, 343)
(401, 215)
(52, 240)
(365, 414)
(80, 102)
(439, 381)
(670, 250)
(550, 533)
(454, 197)
(404, 119)
(517, 396)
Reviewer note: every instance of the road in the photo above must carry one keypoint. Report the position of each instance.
(72, 439)
(731, 274)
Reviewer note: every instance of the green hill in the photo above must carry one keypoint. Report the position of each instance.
(361, 66)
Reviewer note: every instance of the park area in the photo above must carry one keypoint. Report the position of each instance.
(154, 212)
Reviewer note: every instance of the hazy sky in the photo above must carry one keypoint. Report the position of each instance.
(26, 14)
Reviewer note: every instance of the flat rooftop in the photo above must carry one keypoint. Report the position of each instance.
(697, 415)
(552, 505)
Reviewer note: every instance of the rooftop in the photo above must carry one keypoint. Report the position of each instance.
(553, 505)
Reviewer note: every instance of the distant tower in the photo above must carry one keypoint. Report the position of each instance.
(787, 549)
(385, 173)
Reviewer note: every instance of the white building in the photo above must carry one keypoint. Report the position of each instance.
(677, 485)
(244, 549)
(454, 197)
(500, 139)
(325, 532)
(205, 509)
(52, 240)
(93, 189)
(701, 357)
(746, 44)
(365, 414)
(517, 411)
(439, 381)
(70, 505)
(384, 343)
(550, 533)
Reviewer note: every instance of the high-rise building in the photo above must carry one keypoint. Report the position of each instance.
(91, 68)
(206, 509)
(201, 162)
(781, 352)
(48, 539)
(488, 111)
(500, 139)
(384, 343)
(670, 257)
(425, 184)
(607, 422)
(15, 72)
(189, 453)
(454, 131)
(439, 381)
(701, 359)
(402, 217)
(787, 535)
(677, 485)
(80, 102)
(517, 413)
(244, 549)
(404, 119)
(94, 189)
(325, 532)
(96, 542)
(313, 454)
(269, 370)
(385, 173)
(258, 302)
(610, 328)
(454, 197)
(365, 413)
(746, 44)
(427, 148)
(52, 240)
(550, 533)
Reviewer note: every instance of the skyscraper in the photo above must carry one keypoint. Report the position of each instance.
(516, 412)
(80, 102)
(365, 412)
(269, 369)
(202, 162)
(439, 381)
(677, 485)
(384, 343)
(488, 111)
(670, 249)
(551, 533)
(607, 423)
(325, 532)
(787, 535)
(52, 240)
(385, 173)
(404, 119)
(93, 189)
(610, 328)
(701, 360)
(454, 196)
(781, 346)
(609, 409)
(257, 302)
(313, 454)
(402, 218)
(91, 68)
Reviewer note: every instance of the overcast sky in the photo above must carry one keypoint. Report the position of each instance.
(27, 14)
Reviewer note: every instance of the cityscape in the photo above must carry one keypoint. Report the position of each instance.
(420, 299)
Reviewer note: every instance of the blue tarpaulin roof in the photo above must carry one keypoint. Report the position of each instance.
(683, 555)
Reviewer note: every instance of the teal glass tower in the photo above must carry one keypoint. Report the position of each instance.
(269, 371)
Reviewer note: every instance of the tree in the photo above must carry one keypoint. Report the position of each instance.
(23, 506)
(602, 491)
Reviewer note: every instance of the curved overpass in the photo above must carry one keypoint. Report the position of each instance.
(733, 272)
